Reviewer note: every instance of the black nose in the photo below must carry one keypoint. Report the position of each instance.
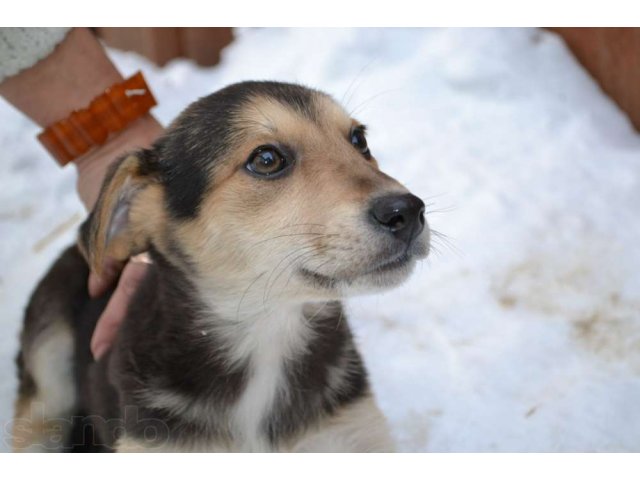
(402, 215)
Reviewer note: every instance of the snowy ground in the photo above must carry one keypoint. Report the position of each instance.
(523, 332)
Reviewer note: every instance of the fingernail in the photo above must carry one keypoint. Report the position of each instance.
(141, 258)
(99, 351)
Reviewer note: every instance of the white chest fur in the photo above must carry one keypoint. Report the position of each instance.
(264, 342)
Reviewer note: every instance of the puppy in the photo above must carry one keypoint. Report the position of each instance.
(261, 207)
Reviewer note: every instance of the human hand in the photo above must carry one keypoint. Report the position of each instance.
(114, 314)
(91, 171)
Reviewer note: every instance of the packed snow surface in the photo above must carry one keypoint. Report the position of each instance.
(521, 332)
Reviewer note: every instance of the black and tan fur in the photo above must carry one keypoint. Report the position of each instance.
(236, 339)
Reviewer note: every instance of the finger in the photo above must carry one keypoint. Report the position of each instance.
(99, 284)
(113, 315)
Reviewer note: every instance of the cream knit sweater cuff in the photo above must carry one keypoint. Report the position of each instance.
(21, 48)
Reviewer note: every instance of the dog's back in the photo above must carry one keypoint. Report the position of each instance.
(54, 353)
(67, 402)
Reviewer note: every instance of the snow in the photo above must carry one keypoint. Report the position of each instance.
(522, 331)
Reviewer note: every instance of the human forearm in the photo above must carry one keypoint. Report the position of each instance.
(68, 79)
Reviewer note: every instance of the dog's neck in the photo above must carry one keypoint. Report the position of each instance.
(266, 364)
(244, 313)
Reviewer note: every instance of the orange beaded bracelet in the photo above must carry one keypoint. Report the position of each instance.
(107, 114)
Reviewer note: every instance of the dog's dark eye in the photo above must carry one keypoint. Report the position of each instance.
(359, 141)
(266, 161)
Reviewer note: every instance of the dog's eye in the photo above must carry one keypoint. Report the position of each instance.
(266, 161)
(359, 141)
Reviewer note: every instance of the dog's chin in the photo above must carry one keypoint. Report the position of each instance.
(379, 276)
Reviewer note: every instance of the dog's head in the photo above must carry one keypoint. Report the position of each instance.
(262, 180)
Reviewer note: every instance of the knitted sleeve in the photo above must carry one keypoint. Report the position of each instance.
(21, 48)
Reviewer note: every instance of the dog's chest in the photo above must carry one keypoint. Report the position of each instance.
(266, 344)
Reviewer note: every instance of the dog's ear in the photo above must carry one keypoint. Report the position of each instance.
(128, 209)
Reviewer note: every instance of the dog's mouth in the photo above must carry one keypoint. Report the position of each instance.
(395, 265)
(389, 265)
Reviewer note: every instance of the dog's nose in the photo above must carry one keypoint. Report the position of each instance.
(402, 215)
